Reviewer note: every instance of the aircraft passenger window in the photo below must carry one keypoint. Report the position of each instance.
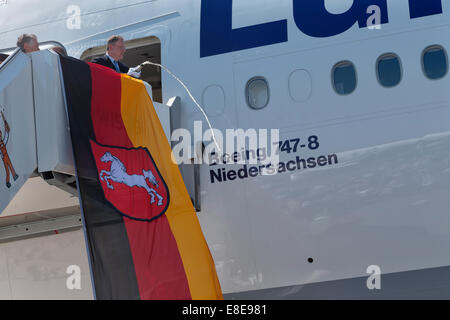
(435, 62)
(389, 70)
(257, 93)
(344, 77)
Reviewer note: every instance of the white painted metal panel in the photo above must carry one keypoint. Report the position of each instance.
(52, 128)
(36, 268)
(16, 96)
(36, 195)
(163, 113)
(5, 290)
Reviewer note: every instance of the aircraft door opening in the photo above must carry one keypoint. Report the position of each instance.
(138, 51)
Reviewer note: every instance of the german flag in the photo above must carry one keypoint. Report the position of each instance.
(143, 235)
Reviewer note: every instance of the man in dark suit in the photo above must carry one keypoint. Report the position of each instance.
(115, 50)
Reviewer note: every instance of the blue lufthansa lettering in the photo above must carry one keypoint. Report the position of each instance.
(420, 8)
(313, 18)
(217, 35)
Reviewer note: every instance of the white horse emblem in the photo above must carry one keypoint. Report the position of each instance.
(118, 173)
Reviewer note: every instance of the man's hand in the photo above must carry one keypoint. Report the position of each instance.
(133, 73)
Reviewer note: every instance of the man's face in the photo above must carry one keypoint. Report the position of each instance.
(117, 50)
(32, 46)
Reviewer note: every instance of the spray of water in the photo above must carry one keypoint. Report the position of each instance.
(187, 90)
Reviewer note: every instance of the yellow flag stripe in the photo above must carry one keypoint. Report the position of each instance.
(144, 130)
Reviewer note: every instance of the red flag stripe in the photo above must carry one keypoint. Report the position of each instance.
(159, 269)
(105, 107)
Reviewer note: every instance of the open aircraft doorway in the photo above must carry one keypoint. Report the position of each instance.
(138, 51)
